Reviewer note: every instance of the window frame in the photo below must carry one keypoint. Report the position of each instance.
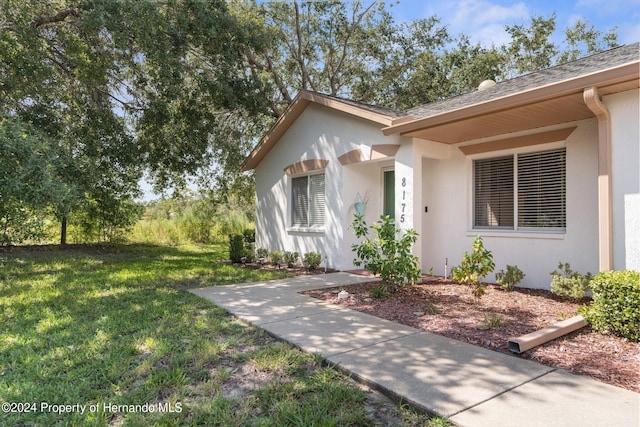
(517, 228)
(308, 227)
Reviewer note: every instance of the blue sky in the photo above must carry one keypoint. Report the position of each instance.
(484, 20)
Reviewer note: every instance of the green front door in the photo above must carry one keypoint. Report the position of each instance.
(389, 196)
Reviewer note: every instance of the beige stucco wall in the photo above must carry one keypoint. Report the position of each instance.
(447, 229)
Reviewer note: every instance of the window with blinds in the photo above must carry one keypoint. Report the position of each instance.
(530, 187)
(493, 192)
(308, 201)
(542, 190)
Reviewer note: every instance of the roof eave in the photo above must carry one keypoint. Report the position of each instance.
(601, 78)
(297, 106)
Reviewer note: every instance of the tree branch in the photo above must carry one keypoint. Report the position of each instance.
(300, 57)
(355, 23)
(255, 64)
(58, 17)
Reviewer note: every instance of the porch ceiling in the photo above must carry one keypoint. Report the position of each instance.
(561, 110)
(505, 116)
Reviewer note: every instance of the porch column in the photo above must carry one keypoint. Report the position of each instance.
(605, 253)
(408, 175)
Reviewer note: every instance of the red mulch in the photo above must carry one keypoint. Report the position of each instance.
(446, 308)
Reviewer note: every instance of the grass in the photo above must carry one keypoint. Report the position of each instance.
(112, 329)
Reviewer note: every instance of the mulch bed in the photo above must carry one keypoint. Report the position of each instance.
(446, 308)
(296, 270)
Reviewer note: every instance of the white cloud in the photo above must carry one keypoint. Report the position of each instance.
(482, 20)
(478, 13)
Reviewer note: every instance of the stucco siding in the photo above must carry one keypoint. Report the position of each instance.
(361, 181)
(319, 133)
(448, 225)
(625, 181)
(438, 182)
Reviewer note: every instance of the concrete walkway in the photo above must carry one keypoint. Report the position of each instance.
(469, 385)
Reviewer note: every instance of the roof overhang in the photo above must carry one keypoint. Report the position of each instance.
(552, 104)
(295, 109)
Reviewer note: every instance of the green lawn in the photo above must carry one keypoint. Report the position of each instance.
(103, 329)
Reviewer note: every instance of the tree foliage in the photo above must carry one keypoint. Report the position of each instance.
(185, 88)
(120, 86)
(28, 181)
(357, 50)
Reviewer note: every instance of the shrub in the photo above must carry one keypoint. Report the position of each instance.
(312, 260)
(248, 254)
(568, 283)
(249, 235)
(275, 257)
(291, 258)
(616, 304)
(511, 278)
(239, 249)
(388, 253)
(262, 254)
(236, 247)
(475, 266)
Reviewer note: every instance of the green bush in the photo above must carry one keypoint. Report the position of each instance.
(568, 283)
(312, 260)
(236, 247)
(291, 258)
(509, 279)
(276, 257)
(262, 254)
(388, 253)
(249, 235)
(475, 266)
(616, 304)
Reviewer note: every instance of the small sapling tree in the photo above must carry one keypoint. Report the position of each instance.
(387, 253)
(474, 267)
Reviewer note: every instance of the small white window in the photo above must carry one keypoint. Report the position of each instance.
(308, 201)
(528, 187)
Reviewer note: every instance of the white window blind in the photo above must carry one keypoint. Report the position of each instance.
(542, 190)
(530, 187)
(308, 201)
(316, 194)
(300, 201)
(493, 192)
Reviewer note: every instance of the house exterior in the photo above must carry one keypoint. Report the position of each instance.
(545, 167)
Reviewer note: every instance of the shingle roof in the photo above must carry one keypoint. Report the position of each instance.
(597, 62)
(370, 107)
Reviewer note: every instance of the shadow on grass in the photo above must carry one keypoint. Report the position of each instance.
(109, 323)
